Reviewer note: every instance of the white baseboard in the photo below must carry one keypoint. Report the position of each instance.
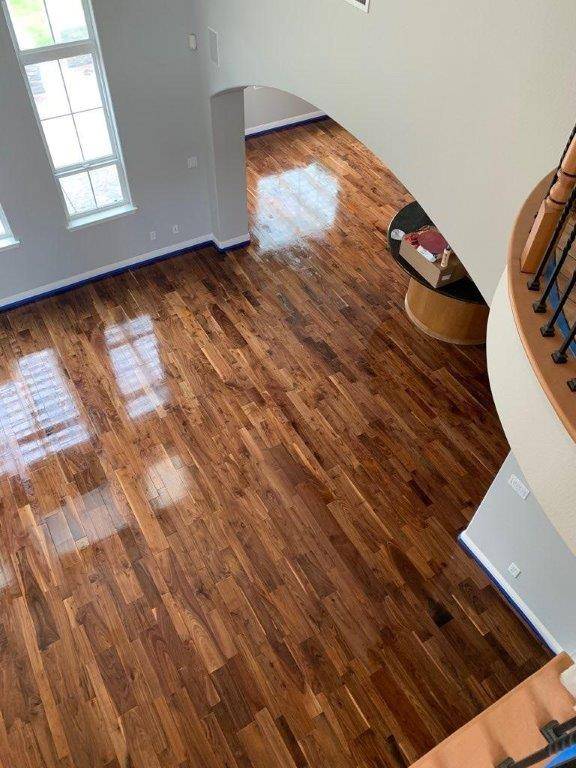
(510, 593)
(108, 269)
(222, 245)
(287, 121)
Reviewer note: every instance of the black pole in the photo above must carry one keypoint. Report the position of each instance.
(540, 306)
(567, 725)
(548, 328)
(560, 356)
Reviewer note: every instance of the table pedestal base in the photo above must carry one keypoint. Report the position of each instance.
(445, 318)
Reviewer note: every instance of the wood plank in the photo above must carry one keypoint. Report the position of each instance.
(230, 494)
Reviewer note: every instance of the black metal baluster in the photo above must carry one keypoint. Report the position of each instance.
(534, 282)
(548, 328)
(564, 153)
(560, 355)
(540, 306)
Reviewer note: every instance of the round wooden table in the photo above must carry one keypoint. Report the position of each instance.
(455, 313)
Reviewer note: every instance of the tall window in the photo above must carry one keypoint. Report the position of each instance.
(60, 56)
(6, 236)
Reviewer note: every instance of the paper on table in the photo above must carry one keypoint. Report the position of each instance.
(427, 255)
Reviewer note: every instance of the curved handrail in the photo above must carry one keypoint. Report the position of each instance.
(539, 350)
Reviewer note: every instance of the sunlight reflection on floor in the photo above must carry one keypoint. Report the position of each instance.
(38, 415)
(133, 350)
(309, 195)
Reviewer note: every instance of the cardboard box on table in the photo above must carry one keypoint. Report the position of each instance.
(432, 272)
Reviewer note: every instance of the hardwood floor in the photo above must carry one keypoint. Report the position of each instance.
(231, 488)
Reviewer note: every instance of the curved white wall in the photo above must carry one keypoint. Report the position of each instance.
(541, 445)
(467, 103)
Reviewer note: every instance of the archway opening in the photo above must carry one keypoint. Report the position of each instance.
(320, 184)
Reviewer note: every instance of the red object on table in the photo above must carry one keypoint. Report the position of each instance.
(430, 239)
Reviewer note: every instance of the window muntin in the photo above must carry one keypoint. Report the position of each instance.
(6, 236)
(60, 57)
(40, 23)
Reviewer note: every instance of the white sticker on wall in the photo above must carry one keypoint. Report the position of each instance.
(519, 487)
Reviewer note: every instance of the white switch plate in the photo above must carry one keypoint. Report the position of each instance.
(519, 487)
(176, 229)
(192, 162)
(192, 42)
(152, 235)
(513, 570)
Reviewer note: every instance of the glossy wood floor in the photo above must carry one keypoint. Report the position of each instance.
(231, 489)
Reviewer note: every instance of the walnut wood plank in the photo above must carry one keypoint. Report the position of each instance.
(230, 492)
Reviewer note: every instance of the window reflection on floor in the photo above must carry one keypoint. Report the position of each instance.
(308, 198)
(167, 482)
(38, 415)
(133, 350)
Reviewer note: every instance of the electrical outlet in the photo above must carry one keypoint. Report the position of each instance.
(176, 229)
(192, 162)
(514, 571)
(152, 236)
(519, 487)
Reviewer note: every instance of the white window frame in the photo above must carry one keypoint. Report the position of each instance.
(67, 50)
(7, 240)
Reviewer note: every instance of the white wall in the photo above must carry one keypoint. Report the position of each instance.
(268, 107)
(541, 444)
(156, 84)
(468, 123)
(228, 165)
(507, 529)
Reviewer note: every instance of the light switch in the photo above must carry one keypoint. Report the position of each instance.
(192, 42)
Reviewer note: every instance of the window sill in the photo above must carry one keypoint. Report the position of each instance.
(99, 216)
(8, 242)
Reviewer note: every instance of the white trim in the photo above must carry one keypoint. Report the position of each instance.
(223, 244)
(511, 593)
(8, 242)
(100, 215)
(361, 6)
(284, 123)
(70, 282)
(56, 51)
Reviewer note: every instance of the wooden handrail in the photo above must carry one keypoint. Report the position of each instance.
(550, 211)
(539, 350)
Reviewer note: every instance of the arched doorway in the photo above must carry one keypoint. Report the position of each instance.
(451, 309)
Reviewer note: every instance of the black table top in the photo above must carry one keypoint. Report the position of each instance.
(410, 219)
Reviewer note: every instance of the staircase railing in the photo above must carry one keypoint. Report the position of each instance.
(544, 246)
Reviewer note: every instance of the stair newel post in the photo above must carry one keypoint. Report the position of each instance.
(550, 211)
